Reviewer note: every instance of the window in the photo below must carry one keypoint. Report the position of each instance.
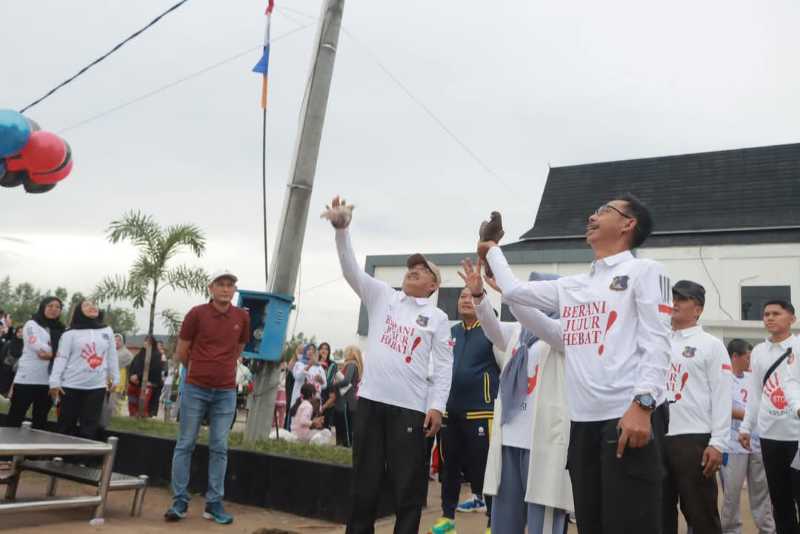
(448, 301)
(754, 297)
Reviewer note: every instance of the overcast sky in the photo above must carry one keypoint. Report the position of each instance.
(522, 84)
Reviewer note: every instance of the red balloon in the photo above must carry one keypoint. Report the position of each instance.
(46, 157)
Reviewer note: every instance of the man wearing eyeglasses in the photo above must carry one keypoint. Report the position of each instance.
(398, 405)
(615, 322)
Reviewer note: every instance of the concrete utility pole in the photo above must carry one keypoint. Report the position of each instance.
(286, 258)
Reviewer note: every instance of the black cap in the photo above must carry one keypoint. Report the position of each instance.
(690, 290)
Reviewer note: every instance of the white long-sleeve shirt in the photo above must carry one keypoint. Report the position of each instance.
(86, 359)
(615, 323)
(768, 410)
(740, 394)
(699, 386)
(518, 432)
(31, 369)
(406, 334)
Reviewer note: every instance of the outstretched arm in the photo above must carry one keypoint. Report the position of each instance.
(542, 295)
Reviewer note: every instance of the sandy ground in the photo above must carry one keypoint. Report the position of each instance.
(248, 520)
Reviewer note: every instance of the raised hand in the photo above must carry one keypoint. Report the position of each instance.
(472, 276)
(339, 213)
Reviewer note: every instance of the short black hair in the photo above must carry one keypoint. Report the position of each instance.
(739, 346)
(644, 221)
(785, 304)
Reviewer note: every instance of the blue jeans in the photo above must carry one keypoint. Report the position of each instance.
(196, 402)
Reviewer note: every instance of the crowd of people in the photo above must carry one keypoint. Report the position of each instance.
(82, 368)
(323, 394)
(607, 401)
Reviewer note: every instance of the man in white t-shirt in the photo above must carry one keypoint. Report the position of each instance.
(616, 339)
(774, 365)
(398, 406)
(699, 392)
(741, 464)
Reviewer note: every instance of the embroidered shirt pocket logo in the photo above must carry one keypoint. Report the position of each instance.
(619, 283)
(422, 320)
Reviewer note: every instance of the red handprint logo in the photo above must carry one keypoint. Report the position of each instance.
(89, 353)
(532, 380)
(774, 391)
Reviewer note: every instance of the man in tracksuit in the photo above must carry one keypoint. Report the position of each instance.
(464, 439)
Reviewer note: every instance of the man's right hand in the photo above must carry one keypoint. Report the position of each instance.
(744, 440)
(484, 247)
(339, 213)
(472, 276)
(56, 393)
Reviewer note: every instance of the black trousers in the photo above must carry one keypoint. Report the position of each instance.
(388, 449)
(80, 412)
(686, 484)
(616, 496)
(24, 396)
(464, 445)
(783, 482)
(343, 421)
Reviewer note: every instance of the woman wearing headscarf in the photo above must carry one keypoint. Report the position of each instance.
(41, 339)
(86, 366)
(528, 448)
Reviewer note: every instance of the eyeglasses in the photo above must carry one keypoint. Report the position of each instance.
(606, 207)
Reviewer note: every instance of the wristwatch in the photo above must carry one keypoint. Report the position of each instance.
(646, 401)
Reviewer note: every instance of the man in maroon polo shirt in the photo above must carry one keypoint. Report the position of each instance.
(211, 340)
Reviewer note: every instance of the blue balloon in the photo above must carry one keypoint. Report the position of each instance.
(15, 130)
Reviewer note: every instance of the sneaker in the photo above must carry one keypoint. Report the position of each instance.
(215, 512)
(177, 511)
(475, 504)
(443, 526)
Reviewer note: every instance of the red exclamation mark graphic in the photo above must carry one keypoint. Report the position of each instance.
(612, 318)
(684, 378)
(413, 348)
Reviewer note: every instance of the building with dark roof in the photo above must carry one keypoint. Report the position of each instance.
(729, 220)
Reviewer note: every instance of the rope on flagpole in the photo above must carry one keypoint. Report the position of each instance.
(104, 56)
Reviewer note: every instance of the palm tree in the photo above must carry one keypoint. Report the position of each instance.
(150, 274)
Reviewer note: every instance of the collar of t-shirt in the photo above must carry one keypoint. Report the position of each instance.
(688, 332)
(216, 313)
(611, 261)
(420, 301)
(785, 344)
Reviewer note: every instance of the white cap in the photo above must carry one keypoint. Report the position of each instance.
(224, 273)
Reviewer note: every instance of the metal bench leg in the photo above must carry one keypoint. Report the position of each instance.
(52, 482)
(13, 479)
(105, 481)
(138, 499)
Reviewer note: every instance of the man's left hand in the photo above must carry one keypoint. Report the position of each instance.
(712, 459)
(433, 422)
(634, 429)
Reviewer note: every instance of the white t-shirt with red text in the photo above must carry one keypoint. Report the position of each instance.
(409, 357)
(768, 412)
(699, 386)
(615, 323)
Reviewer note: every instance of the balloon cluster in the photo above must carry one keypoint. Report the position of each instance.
(29, 156)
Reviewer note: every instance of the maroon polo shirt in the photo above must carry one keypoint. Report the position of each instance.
(215, 338)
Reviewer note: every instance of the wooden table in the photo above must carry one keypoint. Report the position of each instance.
(25, 441)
